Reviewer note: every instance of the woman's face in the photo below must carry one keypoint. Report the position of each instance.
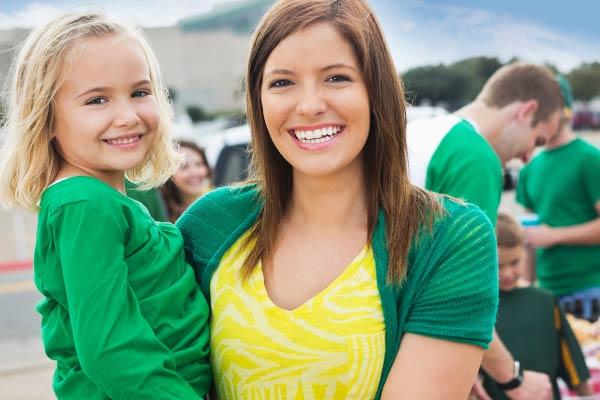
(191, 179)
(315, 103)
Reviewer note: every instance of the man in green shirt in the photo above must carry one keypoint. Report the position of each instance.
(462, 155)
(562, 185)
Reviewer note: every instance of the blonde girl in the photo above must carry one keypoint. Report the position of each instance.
(121, 314)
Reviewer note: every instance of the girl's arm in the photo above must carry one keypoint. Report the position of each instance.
(429, 368)
(116, 347)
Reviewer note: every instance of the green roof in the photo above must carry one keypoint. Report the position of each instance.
(240, 16)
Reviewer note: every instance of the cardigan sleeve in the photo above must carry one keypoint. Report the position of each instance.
(457, 298)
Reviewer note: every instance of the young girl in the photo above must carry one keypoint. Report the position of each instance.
(331, 277)
(191, 181)
(122, 315)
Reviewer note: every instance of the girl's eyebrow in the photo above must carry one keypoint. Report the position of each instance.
(106, 88)
(92, 90)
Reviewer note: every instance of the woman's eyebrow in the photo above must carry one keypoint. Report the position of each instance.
(279, 72)
(282, 71)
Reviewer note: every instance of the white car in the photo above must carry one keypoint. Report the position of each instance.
(227, 150)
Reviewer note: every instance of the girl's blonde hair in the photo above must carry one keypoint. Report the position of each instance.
(29, 160)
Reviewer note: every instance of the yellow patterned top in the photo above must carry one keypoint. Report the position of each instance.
(331, 347)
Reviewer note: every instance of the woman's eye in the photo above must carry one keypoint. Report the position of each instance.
(140, 93)
(280, 83)
(338, 78)
(97, 100)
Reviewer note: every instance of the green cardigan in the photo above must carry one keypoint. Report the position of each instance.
(450, 291)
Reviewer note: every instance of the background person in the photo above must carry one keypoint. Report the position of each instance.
(562, 186)
(462, 155)
(530, 321)
(192, 180)
(317, 286)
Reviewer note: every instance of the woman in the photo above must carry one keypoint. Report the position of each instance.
(191, 181)
(331, 276)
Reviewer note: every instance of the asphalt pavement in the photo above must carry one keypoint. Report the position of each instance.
(25, 371)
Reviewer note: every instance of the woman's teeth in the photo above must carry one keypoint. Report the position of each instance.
(317, 135)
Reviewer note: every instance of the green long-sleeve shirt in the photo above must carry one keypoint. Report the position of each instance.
(122, 315)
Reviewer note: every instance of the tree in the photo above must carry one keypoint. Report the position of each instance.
(585, 81)
(198, 114)
(172, 93)
(454, 85)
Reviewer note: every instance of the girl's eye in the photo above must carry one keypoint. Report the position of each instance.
(338, 78)
(140, 93)
(97, 100)
(280, 83)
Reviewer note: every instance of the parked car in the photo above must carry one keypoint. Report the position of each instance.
(227, 150)
(227, 153)
(583, 120)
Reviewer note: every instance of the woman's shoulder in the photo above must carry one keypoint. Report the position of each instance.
(460, 231)
(235, 200)
(221, 211)
(461, 218)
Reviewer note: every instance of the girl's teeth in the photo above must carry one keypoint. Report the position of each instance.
(123, 141)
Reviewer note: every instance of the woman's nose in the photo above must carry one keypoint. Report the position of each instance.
(311, 103)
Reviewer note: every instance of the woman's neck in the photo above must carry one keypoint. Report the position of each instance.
(333, 202)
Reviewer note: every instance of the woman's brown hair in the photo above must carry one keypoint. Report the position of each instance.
(405, 206)
(171, 193)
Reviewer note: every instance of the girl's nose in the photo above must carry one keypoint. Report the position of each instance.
(127, 117)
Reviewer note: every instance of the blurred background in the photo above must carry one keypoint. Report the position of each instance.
(444, 50)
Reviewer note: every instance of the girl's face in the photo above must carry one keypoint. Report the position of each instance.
(315, 103)
(191, 178)
(105, 112)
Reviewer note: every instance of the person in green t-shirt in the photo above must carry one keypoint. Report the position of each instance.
(462, 155)
(562, 185)
(530, 322)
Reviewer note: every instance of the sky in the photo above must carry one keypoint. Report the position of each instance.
(419, 32)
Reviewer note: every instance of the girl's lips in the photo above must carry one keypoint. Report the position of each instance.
(124, 142)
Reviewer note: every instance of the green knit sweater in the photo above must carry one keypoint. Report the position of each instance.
(451, 288)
